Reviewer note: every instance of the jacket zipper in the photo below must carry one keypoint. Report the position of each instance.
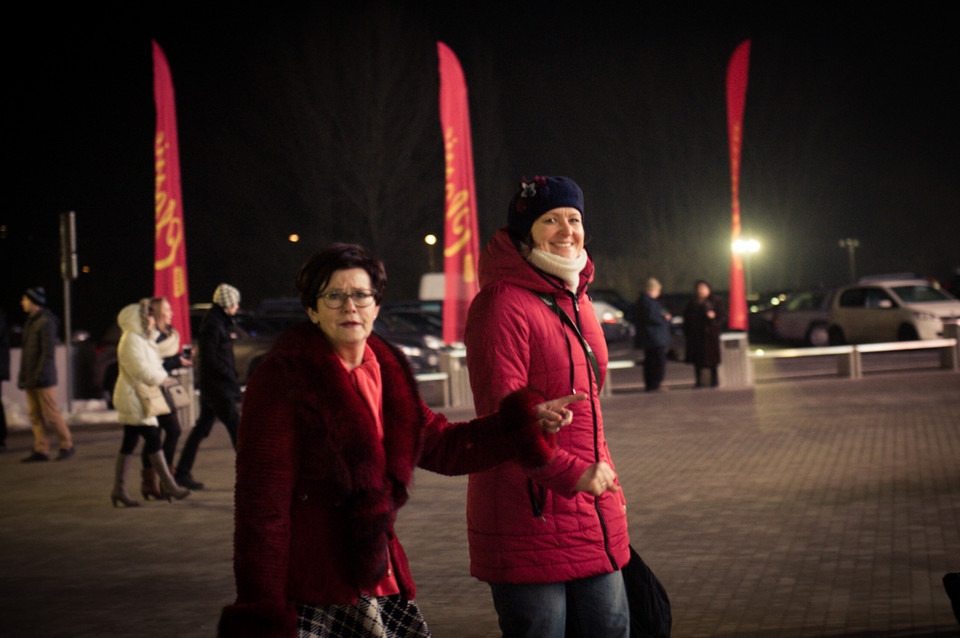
(596, 440)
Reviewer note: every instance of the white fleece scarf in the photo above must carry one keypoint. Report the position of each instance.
(566, 269)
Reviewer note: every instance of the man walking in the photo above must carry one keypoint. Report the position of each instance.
(218, 383)
(38, 377)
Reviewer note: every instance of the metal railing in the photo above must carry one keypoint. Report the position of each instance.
(738, 367)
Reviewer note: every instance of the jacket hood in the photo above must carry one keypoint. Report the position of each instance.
(500, 261)
(129, 319)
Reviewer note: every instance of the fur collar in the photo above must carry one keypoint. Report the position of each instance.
(335, 425)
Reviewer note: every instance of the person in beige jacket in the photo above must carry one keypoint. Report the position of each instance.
(139, 362)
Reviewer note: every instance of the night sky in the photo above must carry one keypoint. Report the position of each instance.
(302, 118)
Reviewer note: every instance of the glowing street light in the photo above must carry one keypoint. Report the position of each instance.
(431, 240)
(746, 247)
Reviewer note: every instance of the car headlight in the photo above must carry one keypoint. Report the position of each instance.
(411, 351)
(434, 343)
(924, 316)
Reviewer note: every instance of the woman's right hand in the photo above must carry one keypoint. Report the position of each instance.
(597, 479)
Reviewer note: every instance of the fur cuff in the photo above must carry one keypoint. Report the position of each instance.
(535, 447)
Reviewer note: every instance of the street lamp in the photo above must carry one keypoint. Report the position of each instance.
(746, 247)
(851, 245)
(430, 240)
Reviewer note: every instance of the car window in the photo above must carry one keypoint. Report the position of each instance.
(875, 298)
(920, 293)
(853, 298)
(804, 301)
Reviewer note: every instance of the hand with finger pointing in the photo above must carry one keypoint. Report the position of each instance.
(553, 415)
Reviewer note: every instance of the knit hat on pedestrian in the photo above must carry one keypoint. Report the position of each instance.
(37, 295)
(226, 296)
(537, 196)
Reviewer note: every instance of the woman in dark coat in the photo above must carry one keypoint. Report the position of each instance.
(332, 428)
(702, 325)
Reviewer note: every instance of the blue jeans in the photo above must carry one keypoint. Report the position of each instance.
(594, 607)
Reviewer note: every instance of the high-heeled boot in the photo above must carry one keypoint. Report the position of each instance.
(119, 493)
(168, 486)
(148, 484)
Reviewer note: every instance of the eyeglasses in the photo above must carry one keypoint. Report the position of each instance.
(336, 298)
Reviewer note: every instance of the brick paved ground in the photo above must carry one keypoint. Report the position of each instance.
(807, 508)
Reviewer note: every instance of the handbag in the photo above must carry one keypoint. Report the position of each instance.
(176, 393)
(650, 615)
(152, 399)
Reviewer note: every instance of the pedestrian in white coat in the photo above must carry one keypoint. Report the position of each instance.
(139, 362)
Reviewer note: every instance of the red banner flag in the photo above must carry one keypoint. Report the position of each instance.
(736, 97)
(170, 265)
(461, 241)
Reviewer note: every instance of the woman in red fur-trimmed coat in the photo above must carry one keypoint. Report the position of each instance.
(332, 429)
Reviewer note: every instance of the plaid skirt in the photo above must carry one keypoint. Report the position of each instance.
(371, 617)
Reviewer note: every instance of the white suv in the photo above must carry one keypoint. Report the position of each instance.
(877, 310)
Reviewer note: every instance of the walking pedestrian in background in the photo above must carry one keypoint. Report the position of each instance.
(168, 347)
(218, 382)
(4, 375)
(38, 377)
(139, 362)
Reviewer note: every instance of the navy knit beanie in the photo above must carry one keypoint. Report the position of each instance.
(537, 196)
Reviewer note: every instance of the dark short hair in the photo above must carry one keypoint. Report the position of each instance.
(316, 272)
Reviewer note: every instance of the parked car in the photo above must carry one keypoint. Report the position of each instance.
(877, 309)
(281, 312)
(614, 298)
(97, 365)
(801, 317)
(422, 348)
(616, 329)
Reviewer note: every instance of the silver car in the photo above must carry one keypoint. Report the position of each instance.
(876, 310)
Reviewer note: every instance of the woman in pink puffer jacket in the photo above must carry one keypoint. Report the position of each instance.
(549, 541)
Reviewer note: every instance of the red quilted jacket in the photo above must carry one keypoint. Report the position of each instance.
(528, 526)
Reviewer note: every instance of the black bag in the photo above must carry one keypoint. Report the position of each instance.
(649, 605)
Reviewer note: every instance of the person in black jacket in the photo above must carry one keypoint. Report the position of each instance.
(653, 335)
(38, 377)
(4, 375)
(218, 383)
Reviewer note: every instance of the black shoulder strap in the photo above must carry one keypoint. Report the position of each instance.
(565, 318)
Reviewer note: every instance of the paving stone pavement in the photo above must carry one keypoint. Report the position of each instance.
(819, 507)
